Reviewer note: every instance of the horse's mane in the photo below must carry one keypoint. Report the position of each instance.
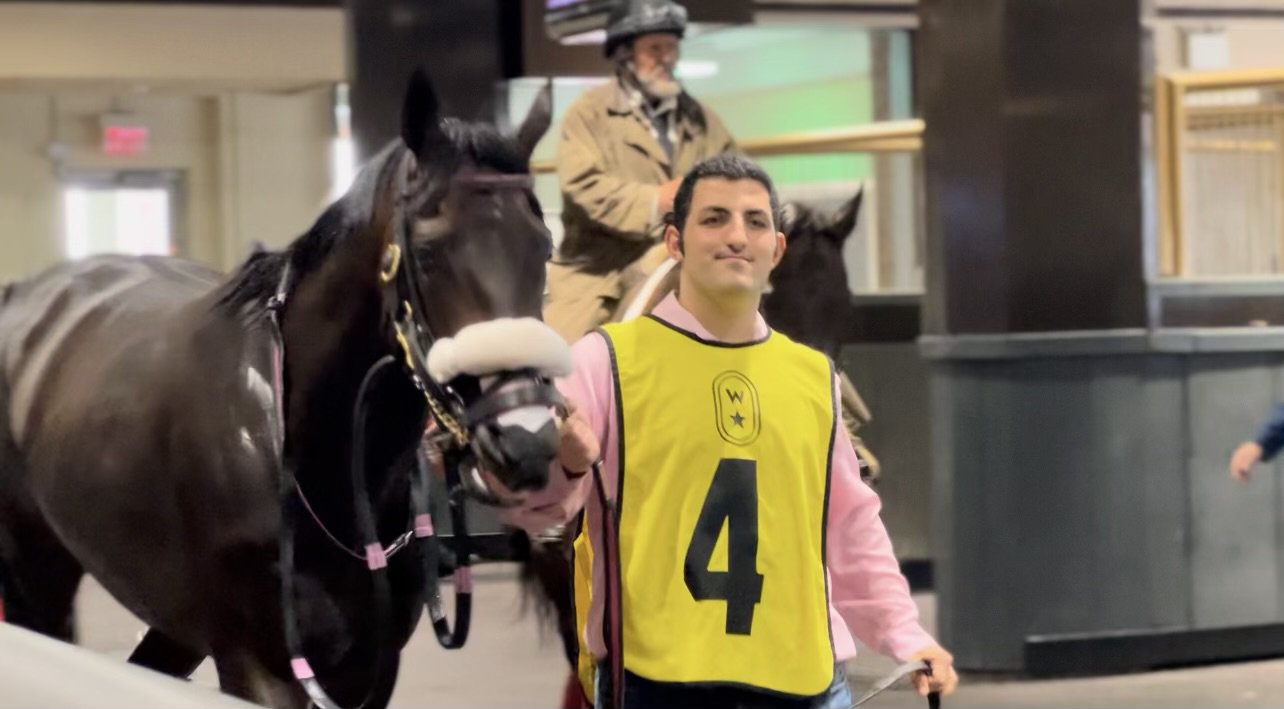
(257, 279)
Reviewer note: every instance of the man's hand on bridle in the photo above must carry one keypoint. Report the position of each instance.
(579, 448)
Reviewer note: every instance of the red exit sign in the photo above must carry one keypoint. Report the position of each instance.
(119, 139)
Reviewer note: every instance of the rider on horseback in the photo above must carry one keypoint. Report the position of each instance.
(625, 146)
(704, 419)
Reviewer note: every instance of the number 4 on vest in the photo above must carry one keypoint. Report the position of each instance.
(733, 497)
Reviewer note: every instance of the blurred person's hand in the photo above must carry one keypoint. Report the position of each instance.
(1243, 459)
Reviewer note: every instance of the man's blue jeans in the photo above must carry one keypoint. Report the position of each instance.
(641, 693)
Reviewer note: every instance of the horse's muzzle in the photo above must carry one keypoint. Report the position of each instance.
(504, 369)
(516, 437)
(518, 456)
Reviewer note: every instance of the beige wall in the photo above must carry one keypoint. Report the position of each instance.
(275, 166)
(1251, 43)
(254, 167)
(236, 100)
(234, 46)
(28, 188)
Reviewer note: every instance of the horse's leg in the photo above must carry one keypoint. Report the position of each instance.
(38, 576)
(241, 675)
(40, 579)
(161, 653)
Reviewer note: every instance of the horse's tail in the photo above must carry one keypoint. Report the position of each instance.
(547, 588)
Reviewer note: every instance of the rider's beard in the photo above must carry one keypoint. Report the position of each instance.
(659, 82)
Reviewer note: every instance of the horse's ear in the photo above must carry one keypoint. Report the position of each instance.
(845, 220)
(788, 215)
(537, 121)
(420, 122)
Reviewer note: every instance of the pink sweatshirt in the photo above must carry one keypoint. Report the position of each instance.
(868, 596)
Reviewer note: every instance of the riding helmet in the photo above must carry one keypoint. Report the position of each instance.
(631, 18)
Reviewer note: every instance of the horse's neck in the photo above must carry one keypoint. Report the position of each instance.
(333, 335)
(809, 325)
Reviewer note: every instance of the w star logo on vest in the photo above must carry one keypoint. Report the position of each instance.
(735, 405)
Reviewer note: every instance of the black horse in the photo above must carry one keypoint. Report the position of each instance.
(232, 459)
(809, 298)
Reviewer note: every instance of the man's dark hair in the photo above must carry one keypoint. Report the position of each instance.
(727, 166)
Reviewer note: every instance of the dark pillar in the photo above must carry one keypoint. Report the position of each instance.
(1065, 507)
(1033, 164)
(466, 47)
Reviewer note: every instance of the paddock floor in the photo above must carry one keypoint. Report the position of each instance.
(511, 662)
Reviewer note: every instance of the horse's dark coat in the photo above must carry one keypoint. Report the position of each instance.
(136, 436)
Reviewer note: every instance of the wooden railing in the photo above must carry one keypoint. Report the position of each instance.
(892, 247)
(884, 137)
(1219, 159)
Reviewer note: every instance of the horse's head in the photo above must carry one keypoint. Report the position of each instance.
(809, 286)
(463, 269)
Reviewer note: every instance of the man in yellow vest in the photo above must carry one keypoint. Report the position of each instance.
(741, 553)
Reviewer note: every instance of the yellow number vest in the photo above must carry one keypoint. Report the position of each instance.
(582, 581)
(722, 526)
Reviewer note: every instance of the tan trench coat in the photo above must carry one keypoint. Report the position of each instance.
(610, 168)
